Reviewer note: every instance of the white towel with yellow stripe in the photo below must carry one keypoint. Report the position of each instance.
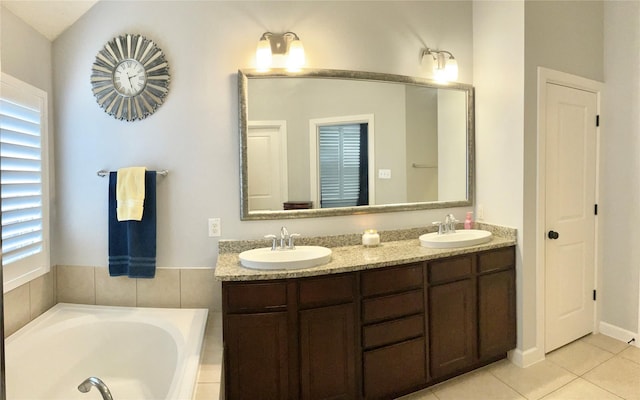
(130, 193)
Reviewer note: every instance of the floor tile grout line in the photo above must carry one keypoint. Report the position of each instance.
(555, 390)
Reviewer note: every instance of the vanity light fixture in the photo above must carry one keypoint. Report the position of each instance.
(445, 66)
(287, 44)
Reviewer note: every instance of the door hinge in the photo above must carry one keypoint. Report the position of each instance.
(594, 295)
(597, 120)
(595, 209)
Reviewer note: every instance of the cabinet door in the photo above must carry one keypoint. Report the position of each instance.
(256, 356)
(496, 313)
(327, 353)
(396, 369)
(452, 327)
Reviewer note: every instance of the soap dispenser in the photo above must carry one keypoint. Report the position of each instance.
(468, 222)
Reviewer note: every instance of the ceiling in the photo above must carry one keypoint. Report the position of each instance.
(49, 17)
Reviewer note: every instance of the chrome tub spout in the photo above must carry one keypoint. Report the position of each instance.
(86, 385)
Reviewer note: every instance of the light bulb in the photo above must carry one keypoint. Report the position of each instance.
(295, 60)
(451, 70)
(263, 54)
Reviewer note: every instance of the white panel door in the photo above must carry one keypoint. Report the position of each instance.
(267, 165)
(570, 219)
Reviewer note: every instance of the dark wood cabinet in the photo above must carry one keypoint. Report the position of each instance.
(375, 334)
(452, 328)
(304, 350)
(327, 353)
(496, 303)
(394, 347)
(256, 350)
(393, 370)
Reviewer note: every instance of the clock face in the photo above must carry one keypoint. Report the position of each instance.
(129, 78)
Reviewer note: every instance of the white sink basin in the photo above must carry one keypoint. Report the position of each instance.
(461, 238)
(298, 258)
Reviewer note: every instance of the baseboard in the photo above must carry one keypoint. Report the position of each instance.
(619, 333)
(526, 358)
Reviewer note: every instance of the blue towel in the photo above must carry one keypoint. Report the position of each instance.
(132, 244)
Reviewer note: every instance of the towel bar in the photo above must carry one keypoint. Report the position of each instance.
(417, 165)
(103, 172)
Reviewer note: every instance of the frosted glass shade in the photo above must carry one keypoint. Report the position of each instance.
(263, 55)
(296, 58)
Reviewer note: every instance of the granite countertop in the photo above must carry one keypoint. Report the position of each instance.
(354, 257)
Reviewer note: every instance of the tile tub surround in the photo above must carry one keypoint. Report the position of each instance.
(349, 255)
(172, 288)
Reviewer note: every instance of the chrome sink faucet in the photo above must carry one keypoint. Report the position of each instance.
(287, 240)
(450, 221)
(448, 226)
(86, 385)
(284, 237)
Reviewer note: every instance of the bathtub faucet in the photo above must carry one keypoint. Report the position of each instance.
(86, 385)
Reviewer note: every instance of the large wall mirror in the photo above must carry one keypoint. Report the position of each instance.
(330, 142)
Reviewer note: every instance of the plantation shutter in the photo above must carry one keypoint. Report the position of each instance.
(339, 165)
(22, 124)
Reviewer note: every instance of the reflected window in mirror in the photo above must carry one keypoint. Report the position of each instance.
(342, 153)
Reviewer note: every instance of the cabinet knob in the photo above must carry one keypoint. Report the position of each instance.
(553, 235)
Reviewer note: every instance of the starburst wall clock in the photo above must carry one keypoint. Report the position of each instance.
(130, 77)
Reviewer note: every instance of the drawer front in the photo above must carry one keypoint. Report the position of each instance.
(323, 291)
(394, 370)
(450, 269)
(393, 331)
(394, 306)
(255, 296)
(497, 259)
(390, 280)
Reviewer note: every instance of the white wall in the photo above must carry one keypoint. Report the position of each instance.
(194, 134)
(620, 166)
(498, 29)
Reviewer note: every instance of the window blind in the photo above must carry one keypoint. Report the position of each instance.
(22, 124)
(339, 165)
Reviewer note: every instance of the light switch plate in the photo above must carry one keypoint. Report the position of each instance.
(384, 174)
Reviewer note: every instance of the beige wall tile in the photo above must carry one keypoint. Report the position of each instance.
(161, 291)
(16, 309)
(75, 284)
(114, 290)
(198, 289)
(42, 296)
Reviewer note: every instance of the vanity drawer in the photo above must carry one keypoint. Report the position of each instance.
(390, 280)
(264, 296)
(497, 259)
(450, 269)
(316, 292)
(394, 306)
(393, 331)
(392, 370)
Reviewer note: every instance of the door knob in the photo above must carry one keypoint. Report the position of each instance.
(553, 235)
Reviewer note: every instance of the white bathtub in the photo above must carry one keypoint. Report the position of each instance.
(140, 353)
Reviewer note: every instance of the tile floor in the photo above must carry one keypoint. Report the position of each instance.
(595, 367)
(210, 374)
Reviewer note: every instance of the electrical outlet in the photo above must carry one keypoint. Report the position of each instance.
(479, 212)
(214, 227)
(384, 174)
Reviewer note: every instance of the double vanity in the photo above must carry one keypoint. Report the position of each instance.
(372, 322)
